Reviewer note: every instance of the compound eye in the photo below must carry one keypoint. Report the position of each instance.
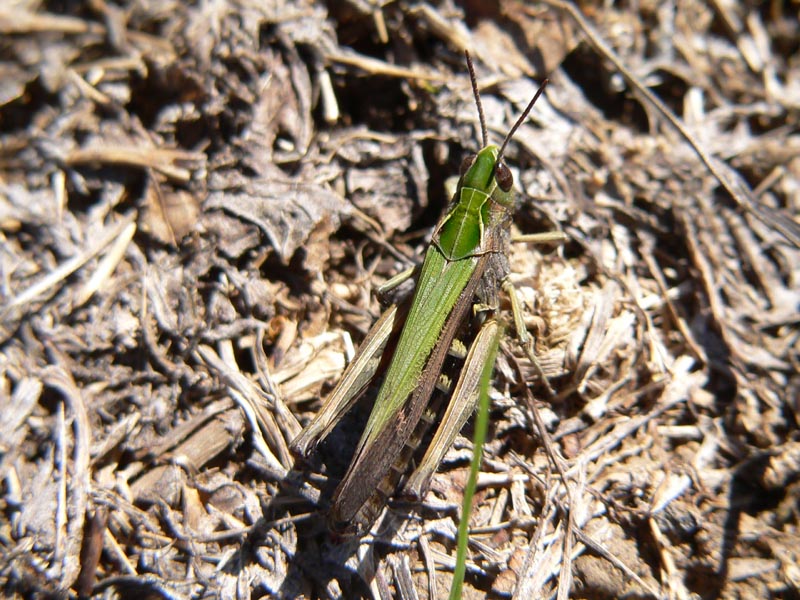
(467, 163)
(504, 178)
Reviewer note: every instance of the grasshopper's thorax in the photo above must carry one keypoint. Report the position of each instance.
(460, 234)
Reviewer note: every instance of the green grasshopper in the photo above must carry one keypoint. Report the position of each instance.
(467, 257)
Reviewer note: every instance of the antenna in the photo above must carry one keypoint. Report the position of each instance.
(474, 81)
(522, 117)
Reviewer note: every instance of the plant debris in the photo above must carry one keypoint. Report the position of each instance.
(197, 201)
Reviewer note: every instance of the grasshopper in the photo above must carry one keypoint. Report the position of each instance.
(466, 258)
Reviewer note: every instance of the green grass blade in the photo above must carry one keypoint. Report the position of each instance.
(492, 331)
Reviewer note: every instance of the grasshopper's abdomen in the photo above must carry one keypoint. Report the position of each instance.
(389, 485)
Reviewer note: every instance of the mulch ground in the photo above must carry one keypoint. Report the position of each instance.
(198, 200)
